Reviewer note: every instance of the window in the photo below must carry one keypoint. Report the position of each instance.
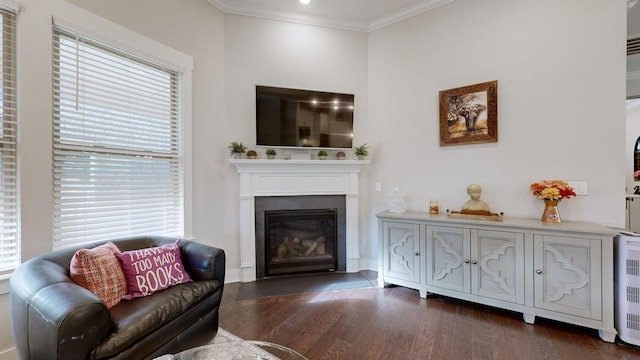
(117, 158)
(9, 254)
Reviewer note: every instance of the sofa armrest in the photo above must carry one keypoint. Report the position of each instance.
(51, 316)
(203, 262)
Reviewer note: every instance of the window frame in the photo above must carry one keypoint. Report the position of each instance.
(128, 41)
(10, 69)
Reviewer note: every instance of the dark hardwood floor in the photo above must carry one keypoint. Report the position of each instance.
(395, 323)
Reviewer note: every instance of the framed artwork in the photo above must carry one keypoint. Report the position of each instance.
(469, 114)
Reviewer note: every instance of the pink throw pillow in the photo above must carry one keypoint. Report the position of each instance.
(99, 271)
(152, 269)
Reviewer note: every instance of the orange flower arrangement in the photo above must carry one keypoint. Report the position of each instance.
(552, 190)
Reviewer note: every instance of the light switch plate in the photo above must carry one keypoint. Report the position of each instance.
(580, 187)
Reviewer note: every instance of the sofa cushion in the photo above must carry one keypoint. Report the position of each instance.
(138, 319)
(99, 271)
(152, 269)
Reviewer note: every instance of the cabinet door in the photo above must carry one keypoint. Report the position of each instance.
(497, 265)
(567, 275)
(448, 251)
(401, 251)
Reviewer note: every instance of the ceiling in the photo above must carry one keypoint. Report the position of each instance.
(357, 15)
(369, 15)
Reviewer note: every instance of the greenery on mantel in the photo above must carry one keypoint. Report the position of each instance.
(237, 148)
(361, 150)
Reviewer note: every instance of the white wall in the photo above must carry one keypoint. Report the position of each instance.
(193, 27)
(561, 104)
(560, 68)
(274, 53)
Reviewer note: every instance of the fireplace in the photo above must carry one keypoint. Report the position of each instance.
(261, 178)
(300, 234)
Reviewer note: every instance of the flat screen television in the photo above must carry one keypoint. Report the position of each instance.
(303, 118)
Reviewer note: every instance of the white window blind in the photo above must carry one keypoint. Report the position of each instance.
(9, 254)
(117, 161)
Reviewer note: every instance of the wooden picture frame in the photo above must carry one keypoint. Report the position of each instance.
(469, 114)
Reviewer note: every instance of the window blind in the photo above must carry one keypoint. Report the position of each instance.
(117, 164)
(9, 243)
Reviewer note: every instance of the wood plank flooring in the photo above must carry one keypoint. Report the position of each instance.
(395, 323)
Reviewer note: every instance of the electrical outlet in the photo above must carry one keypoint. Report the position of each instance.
(580, 187)
(378, 186)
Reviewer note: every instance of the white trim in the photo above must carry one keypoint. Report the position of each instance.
(187, 163)
(4, 285)
(295, 17)
(262, 177)
(406, 13)
(9, 354)
(129, 41)
(327, 21)
(218, 3)
(10, 4)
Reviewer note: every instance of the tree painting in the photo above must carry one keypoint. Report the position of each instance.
(467, 114)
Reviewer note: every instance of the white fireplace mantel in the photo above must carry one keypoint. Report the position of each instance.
(293, 178)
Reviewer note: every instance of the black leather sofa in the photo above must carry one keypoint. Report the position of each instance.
(53, 318)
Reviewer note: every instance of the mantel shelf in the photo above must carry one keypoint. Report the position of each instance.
(281, 165)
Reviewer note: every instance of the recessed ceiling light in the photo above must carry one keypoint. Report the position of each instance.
(305, 2)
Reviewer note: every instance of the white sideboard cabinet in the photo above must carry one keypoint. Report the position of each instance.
(560, 271)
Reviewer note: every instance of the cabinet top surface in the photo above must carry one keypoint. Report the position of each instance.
(507, 222)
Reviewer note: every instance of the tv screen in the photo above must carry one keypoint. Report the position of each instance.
(303, 118)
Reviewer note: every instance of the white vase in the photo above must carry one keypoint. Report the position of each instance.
(396, 201)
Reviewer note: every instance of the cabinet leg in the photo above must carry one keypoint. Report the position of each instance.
(608, 335)
(423, 293)
(529, 318)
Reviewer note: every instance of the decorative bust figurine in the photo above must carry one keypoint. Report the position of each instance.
(475, 205)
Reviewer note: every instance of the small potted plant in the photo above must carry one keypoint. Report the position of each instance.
(361, 151)
(322, 155)
(237, 149)
(271, 154)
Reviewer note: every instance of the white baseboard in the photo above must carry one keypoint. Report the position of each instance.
(230, 276)
(9, 354)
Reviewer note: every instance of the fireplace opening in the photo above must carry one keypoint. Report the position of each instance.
(300, 241)
(300, 234)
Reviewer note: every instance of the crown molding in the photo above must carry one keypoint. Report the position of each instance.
(326, 21)
(406, 13)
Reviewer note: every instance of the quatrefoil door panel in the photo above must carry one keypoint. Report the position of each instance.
(497, 266)
(567, 275)
(448, 250)
(402, 255)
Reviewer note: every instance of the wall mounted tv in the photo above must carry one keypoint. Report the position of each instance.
(303, 118)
